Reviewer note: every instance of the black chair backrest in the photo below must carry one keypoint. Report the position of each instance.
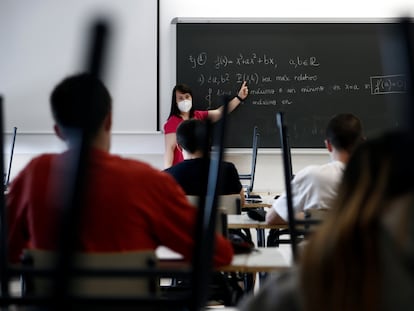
(7, 175)
(206, 219)
(296, 233)
(256, 139)
(250, 176)
(288, 178)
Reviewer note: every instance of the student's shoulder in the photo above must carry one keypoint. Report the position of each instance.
(41, 160)
(183, 168)
(137, 171)
(37, 165)
(131, 164)
(306, 171)
(229, 166)
(333, 167)
(320, 172)
(320, 168)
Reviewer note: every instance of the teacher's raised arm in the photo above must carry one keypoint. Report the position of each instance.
(182, 109)
(215, 114)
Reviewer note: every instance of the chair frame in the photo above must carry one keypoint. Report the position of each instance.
(95, 274)
(296, 234)
(250, 176)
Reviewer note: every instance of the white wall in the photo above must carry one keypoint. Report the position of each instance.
(42, 41)
(131, 93)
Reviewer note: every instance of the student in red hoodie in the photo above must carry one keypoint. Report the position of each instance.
(129, 205)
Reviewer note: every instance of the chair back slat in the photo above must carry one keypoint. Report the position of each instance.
(84, 285)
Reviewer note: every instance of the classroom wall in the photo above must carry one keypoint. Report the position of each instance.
(133, 82)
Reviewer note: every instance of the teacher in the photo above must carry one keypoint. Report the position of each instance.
(182, 109)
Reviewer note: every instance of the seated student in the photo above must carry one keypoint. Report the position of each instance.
(315, 186)
(129, 205)
(361, 257)
(192, 173)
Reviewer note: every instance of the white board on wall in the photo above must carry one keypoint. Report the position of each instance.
(44, 41)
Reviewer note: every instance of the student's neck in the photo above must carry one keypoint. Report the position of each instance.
(190, 156)
(341, 156)
(101, 142)
(104, 146)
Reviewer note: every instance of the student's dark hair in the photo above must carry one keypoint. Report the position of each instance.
(80, 102)
(192, 135)
(345, 248)
(344, 132)
(182, 88)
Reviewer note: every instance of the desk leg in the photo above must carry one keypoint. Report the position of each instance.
(260, 237)
(248, 280)
(262, 277)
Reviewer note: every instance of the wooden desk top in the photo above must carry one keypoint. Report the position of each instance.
(244, 221)
(256, 205)
(263, 259)
(266, 201)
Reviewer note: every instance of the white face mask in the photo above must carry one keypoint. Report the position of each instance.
(185, 105)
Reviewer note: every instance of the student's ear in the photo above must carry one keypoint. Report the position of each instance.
(179, 147)
(108, 122)
(328, 145)
(59, 132)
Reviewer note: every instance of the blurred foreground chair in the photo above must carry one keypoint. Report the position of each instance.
(106, 276)
(225, 285)
(298, 229)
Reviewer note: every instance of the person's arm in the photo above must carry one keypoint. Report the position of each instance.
(273, 218)
(170, 145)
(242, 199)
(215, 114)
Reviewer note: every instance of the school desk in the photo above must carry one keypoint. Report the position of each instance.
(243, 221)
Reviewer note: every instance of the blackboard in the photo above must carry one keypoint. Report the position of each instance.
(309, 70)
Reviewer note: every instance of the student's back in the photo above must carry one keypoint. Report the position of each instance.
(192, 173)
(129, 205)
(315, 186)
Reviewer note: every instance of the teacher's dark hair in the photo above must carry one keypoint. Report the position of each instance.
(182, 88)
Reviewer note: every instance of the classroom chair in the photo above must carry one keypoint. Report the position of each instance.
(227, 204)
(297, 228)
(102, 275)
(250, 176)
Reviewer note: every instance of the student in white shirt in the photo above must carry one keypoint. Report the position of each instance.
(315, 186)
(361, 257)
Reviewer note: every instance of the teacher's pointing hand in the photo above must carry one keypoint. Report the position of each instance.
(243, 92)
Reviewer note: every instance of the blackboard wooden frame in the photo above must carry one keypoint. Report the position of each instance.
(344, 66)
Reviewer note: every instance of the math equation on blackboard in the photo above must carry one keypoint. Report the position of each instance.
(274, 81)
